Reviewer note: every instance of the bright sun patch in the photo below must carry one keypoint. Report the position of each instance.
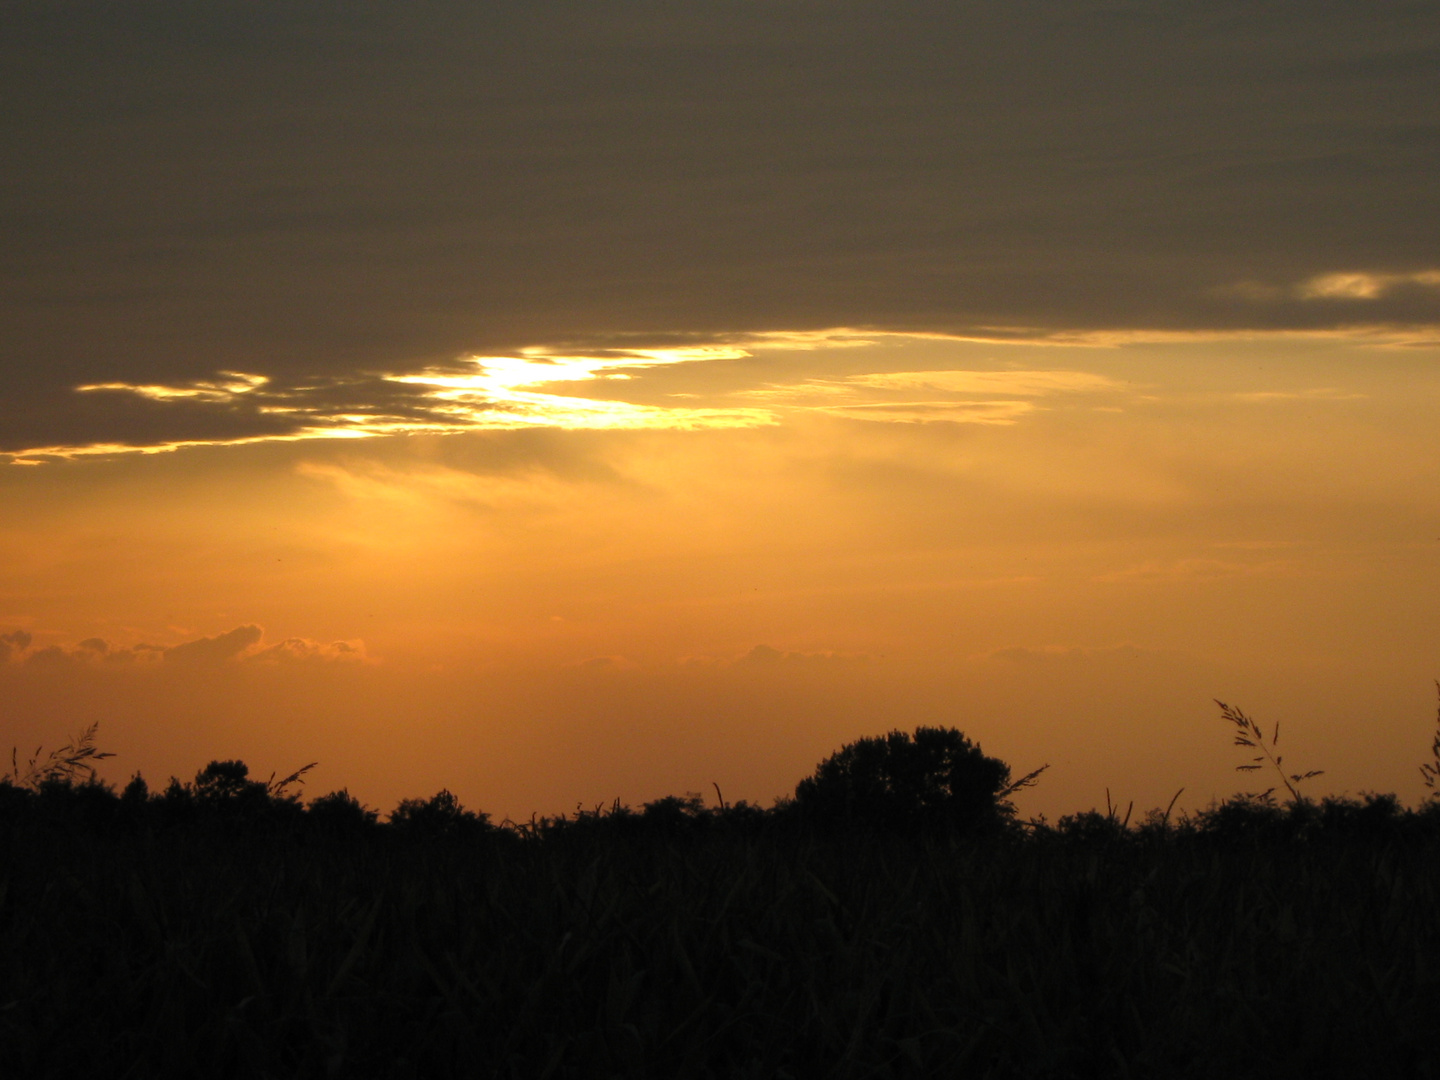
(498, 392)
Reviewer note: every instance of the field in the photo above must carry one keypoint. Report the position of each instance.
(221, 933)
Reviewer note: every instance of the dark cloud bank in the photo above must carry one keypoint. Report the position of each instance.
(309, 191)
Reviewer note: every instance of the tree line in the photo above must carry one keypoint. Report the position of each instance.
(933, 781)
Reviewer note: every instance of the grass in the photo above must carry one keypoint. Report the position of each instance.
(75, 761)
(1249, 734)
(1430, 770)
(1188, 953)
(224, 928)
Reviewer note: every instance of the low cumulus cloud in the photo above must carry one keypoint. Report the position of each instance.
(305, 651)
(217, 649)
(242, 645)
(767, 656)
(13, 643)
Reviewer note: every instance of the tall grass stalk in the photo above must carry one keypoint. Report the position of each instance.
(1249, 735)
(1430, 771)
(71, 763)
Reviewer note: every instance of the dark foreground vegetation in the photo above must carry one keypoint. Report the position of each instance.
(893, 920)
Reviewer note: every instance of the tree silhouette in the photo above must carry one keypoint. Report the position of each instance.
(340, 812)
(936, 779)
(440, 815)
(228, 783)
(224, 791)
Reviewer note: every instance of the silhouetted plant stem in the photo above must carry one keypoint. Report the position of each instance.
(1248, 734)
(73, 761)
(1430, 771)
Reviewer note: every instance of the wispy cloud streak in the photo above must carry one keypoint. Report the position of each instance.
(474, 394)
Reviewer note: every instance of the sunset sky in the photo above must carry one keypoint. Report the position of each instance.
(563, 401)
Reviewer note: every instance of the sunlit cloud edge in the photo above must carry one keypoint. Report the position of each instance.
(498, 392)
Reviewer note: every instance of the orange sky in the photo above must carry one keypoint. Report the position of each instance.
(1065, 550)
(566, 402)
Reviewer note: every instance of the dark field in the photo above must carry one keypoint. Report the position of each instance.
(152, 938)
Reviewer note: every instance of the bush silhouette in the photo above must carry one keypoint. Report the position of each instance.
(936, 779)
(340, 812)
(220, 792)
(228, 783)
(440, 815)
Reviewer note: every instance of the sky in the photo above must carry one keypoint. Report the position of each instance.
(561, 402)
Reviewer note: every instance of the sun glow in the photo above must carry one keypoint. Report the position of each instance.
(479, 393)
(609, 387)
(490, 396)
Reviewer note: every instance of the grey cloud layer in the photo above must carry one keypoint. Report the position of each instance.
(306, 192)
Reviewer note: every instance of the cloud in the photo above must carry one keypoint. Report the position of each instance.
(242, 645)
(217, 649)
(1362, 286)
(922, 412)
(92, 651)
(1384, 308)
(766, 656)
(1019, 383)
(529, 390)
(958, 397)
(12, 644)
(305, 651)
(206, 192)
(52, 656)
(224, 390)
(1317, 393)
(479, 393)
